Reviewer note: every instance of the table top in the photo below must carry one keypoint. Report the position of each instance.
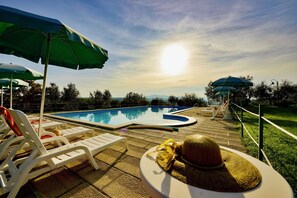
(158, 183)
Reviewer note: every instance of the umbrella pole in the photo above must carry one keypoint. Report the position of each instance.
(11, 91)
(2, 96)
(44, 83)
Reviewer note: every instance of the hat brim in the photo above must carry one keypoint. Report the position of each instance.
(237, 174)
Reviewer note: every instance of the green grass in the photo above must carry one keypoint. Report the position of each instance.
(280, 148)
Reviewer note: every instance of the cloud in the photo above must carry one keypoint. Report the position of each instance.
(223, 38)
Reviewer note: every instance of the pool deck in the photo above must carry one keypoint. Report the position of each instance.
(118, 174)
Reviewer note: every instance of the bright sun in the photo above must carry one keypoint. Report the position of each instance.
(174, 59)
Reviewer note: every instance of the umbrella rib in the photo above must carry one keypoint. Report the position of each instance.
(73, 52)
(19, 30)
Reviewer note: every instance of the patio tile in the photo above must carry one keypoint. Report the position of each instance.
(56, 182)
(126, 186)
(84, 190)
(151, 145)
(129, 165)
(135, 151)
(138, 142)
(110, 156)
(101, 177)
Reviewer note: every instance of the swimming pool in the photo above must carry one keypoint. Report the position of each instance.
(154, 115)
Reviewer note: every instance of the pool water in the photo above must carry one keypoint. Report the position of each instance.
(119, 116)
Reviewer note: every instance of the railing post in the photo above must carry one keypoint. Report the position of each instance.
(260, 155)
(241, 118)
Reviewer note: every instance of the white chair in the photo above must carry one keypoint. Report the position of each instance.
(4, 128)
(15, 173)
(48, 124)
(222, 109)
(7, 144)
(7, 137)
(76, 131)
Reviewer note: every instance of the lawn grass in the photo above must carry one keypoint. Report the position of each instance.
(280, 148)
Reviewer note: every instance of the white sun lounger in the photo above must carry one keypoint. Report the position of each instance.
(7, 137)
(75, 131)
(15, 173)
(48, 125)
(5, 145)
(214, 110)
(4, 128)
(68, 133)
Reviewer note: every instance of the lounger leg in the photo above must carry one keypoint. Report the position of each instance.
(93, 133)
(92, 161)
(126, 144)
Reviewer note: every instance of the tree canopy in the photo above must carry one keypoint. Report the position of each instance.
(28, 98)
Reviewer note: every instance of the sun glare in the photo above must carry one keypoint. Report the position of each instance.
(174, 59)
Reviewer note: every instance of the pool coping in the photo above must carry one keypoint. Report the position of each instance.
(190, 120)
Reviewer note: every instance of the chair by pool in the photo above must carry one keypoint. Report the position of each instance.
(15, 173)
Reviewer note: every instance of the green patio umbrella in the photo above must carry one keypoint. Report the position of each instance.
(224, 89)
(12, 71)
(231, 82)
(36, 37)
(19, 72)
(7, 82)
(228, 82)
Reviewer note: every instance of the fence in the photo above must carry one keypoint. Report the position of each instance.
(280, 145)
(261, 118)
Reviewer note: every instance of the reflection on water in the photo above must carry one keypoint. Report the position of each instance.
(124, 115)
(173, 109)
(134, 113)
(157, 109)
(114, 112)
(104, 118)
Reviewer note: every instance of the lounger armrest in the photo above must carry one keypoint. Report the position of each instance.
(63, 150)
(55, 139)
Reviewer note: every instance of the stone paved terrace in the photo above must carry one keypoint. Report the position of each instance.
(119, 174)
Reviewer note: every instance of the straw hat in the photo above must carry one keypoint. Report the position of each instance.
(200, 162)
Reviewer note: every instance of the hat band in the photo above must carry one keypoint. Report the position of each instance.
(203, 167)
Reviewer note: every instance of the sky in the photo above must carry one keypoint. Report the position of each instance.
(173, 47)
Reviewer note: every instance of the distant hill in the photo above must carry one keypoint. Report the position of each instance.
(150, 97)
(118, 98)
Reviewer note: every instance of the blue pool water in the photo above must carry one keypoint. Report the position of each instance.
(119, 116)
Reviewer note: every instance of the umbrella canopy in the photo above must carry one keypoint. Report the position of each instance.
(18, 72)
(12, 71)
(232, 82)
(224, 89)
(5, 82)
(36, 37)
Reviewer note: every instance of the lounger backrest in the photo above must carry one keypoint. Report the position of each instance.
(28, 131)
(10, 121)
(4, 128)
(225, 105)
